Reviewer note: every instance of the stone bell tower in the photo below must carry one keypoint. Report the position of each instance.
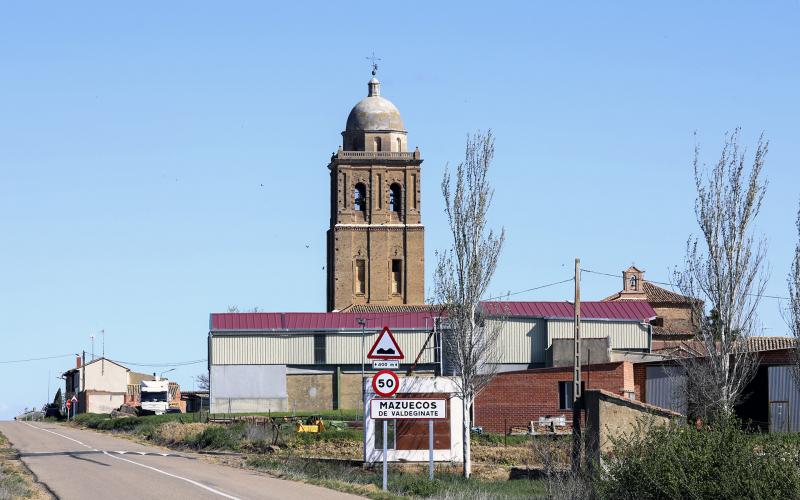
(376, 236)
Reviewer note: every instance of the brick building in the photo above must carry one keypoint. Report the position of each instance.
(542, 395)
(675, 316)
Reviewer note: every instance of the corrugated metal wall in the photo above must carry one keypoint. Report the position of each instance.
(782, 387)
(262, 350)
(623, 335)
(345, 348)
(521, 340)
(298, 349)
(666, 387)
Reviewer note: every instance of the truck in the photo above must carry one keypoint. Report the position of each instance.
(154, 396)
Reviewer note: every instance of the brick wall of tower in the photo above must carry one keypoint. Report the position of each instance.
(377, 235)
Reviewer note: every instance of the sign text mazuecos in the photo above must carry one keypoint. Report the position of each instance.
(408, 409)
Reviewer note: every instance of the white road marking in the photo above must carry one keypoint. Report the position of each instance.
(190, 481)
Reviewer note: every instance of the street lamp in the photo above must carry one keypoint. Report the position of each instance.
(166, 371)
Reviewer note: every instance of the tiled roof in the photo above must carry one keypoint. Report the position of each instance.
(653, 294)
(623, 310)
(771, 343)
(378, 308)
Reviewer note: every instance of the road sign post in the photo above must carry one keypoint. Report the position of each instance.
(430, 449)
(385, 451)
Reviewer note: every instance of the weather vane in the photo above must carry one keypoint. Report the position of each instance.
(374, 62)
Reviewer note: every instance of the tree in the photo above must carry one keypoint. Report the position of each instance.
(725, 272)
(792, 312)
(202, 381)
(463, 274)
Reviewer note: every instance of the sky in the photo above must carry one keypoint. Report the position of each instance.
(160, 161)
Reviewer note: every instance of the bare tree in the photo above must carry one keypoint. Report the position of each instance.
(792, 312)
(463, 275)
(726, 274)
(202, 381)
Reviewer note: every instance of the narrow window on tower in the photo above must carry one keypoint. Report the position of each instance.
(399, 144)
(397, 276)
(394, 198)
(361, 276)
(377, 144)
(360, 197)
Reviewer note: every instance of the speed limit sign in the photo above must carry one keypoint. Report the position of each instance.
(385, 383)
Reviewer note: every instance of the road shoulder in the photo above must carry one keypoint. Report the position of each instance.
(16, 479)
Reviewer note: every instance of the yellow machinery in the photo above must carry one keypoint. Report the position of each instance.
(311, 424)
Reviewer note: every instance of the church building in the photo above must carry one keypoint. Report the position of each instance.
(376, 237)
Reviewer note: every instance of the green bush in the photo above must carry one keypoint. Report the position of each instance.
(678, 461)
(219, 438)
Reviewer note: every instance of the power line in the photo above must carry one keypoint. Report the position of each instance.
(676, 286)
(35, 359)
(158, 365)
(531, 289)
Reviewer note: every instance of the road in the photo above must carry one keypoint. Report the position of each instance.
(83, 464)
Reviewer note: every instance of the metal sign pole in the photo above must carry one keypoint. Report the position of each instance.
(385, 469)
(430, 449)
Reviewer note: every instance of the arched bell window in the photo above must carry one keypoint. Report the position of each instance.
(377, 144)
(360, 197)
(395, 199)
(399, 144)
(633, 282)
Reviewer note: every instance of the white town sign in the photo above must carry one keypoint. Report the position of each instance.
(408, 409)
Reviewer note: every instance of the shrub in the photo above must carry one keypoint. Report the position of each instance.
(678, 461)
(218, 437)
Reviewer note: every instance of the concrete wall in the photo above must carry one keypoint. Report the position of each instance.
(248, 388)
(310, 392)
(561, 353)
(105, 376)
(103, 402)
(609, 416)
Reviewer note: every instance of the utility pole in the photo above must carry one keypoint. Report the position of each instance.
(576, 376)
(83, 378)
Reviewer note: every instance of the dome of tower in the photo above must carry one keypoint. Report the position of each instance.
(374, 112)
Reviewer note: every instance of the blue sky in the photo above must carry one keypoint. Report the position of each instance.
(134, 142)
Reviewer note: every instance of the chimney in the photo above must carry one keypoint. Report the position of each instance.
(78, 362)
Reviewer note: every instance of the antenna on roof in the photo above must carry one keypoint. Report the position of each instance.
(374, 63)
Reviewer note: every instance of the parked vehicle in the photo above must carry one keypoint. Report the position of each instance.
(154, 396)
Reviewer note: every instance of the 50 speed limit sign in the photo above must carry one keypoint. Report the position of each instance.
(385, 383)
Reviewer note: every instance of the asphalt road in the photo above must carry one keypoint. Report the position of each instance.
(84, 464)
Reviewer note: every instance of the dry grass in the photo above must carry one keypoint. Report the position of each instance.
(176, 432)
(16, 481)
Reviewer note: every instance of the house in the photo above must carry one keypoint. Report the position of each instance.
(103, 385)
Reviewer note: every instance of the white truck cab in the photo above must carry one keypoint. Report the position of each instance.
(154, 396)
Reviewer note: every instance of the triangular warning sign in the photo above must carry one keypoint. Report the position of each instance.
(386, 347)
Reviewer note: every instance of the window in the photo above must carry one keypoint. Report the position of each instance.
(377, 144)
(360, 276)
(360, 197)
(633, 282)
(565, 395)
(399, 144)
(394, 198)
(319, 349)
(397, 276)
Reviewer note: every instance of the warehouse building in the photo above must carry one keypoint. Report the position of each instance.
(261, 362)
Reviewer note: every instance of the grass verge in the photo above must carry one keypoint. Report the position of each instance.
(16, 481)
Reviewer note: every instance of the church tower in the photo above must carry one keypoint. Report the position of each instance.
(376, 236)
